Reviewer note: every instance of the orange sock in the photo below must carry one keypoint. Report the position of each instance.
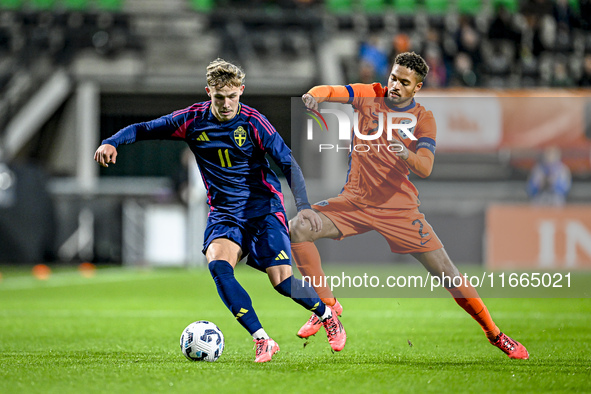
(467, 297)
(307, 259)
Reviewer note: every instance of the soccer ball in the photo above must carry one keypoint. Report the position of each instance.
(202, 341)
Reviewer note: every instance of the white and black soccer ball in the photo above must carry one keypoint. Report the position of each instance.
(202, 341)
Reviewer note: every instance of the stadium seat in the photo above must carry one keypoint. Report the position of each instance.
(42, 4)
(109, 5)
(575, 6)
(510, 5)
(201, 5)
(75, 4)
(436, 7)
(339, 6)
(469, 7)
(405, 7)
(10, 4)
(373, 6)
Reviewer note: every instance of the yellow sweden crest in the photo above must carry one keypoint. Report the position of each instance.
(240, 136)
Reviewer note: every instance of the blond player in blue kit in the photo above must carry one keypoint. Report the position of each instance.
(247, 215)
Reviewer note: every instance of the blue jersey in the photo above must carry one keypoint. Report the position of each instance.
(230, 156)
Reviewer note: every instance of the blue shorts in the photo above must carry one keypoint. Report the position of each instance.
(265, 239)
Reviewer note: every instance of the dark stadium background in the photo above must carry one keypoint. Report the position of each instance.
(139, 59)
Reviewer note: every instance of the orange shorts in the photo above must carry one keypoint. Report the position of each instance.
(406, 230)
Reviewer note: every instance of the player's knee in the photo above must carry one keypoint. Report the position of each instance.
(279, 273)
(220, 267)
(299, 232)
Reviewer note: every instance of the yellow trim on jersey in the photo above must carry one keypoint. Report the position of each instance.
(203, 137)
(227, 162)
(282, 256)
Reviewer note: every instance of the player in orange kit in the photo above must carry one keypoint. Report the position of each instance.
(379, 196)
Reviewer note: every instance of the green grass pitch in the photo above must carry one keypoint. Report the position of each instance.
(118, 332)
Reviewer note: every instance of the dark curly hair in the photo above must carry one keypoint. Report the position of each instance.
(413, 62)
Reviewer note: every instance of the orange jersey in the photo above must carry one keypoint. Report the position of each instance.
(377, 177)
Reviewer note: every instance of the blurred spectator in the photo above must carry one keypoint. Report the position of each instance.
(437, 70)
(502, 26)
(469, 40)
(563, 41)
(500, 59)
(400, 43)
(367, 72)
(539, 25)
(586, 77)
(432, 39)
(564, 14)
(565, 19)
(560, 76)
(371, 54)
(535, 25)
(585, 14)
(539, 8)
(550, 180)
(463, 72)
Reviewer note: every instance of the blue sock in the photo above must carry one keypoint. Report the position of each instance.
(234, 295)
(302, 293)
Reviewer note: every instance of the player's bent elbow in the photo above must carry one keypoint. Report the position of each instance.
(423, 172)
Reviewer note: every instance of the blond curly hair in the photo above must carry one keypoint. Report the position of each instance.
(221, 73)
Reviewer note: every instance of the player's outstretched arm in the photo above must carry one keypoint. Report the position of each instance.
(321, 93)
(105, 154)
(339, 94)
